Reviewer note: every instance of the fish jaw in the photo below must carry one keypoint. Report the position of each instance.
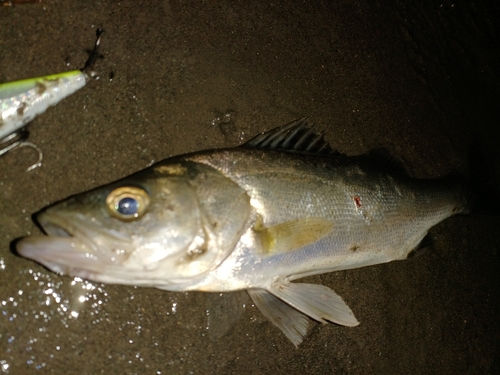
(75, 257)
(62, 255)
(73, 249)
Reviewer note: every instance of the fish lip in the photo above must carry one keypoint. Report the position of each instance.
(55, 225)
(81, 228)
(70, 244)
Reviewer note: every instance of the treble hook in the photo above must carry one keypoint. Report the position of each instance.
(18, 140)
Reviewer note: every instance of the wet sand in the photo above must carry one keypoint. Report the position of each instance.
(420, 80)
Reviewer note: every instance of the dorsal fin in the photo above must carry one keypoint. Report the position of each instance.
(382, 157)
(296, 136)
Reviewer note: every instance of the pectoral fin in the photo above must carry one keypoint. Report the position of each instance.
(292, 235)
(316, 301)
(291, 321)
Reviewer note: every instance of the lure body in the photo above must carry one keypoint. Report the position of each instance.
(21, 101)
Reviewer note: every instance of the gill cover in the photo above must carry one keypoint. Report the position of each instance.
(224, 210)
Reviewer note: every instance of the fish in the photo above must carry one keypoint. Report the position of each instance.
(256, 217)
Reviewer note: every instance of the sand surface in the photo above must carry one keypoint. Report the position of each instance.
(177, 76)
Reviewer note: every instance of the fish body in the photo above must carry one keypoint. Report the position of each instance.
(256, 217)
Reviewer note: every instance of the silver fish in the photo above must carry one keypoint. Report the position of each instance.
(256, 217)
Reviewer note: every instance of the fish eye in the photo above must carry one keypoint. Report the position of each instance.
(127, 206)
(127, 203)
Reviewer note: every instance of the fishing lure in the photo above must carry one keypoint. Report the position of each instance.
(21, 101)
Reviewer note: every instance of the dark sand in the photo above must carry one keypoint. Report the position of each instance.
(421, 80)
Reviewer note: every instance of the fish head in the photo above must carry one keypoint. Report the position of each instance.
(139, 230)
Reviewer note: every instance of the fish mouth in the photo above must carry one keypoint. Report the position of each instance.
(62, 255)
(68, 248)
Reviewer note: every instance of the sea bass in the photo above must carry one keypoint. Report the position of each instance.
(256, 217)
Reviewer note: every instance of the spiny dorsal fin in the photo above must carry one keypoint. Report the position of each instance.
(296, 136)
